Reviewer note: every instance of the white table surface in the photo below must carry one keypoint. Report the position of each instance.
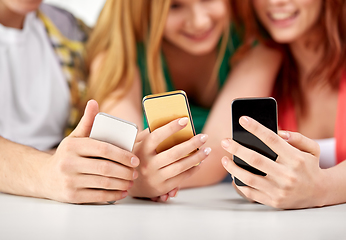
(215, 212)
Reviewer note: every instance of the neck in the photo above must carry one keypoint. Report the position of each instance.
(9, 18)
(307, 52)
(173, 52)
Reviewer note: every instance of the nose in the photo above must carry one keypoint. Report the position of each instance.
(199, 19)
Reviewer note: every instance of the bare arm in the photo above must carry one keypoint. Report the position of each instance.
(21, 169)
(254, 76)
(74, 173)
(129, 107)
(334, 185)
(159, 173)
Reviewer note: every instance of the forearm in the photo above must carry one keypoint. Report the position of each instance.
(21, 169)
(333, 185)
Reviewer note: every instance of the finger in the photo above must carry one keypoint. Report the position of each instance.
(101, 182)
(84, 127)
(142, 135)
(160, 134)
(104, 168)
(174, 192)
(182, 150)
(164, 198)
(177, 180)
(240, 193)
(268, 137)
(184, 164)
(301, 142)
(255, 195)
(95, 196)
(252, 180)
(155, 199)
(88, 147)
(252, 158)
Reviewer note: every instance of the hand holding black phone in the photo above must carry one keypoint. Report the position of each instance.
(263, 110)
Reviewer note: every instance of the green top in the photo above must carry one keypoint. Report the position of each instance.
(199, 114)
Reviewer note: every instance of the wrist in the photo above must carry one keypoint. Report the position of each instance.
(323, 191)
(40, 186)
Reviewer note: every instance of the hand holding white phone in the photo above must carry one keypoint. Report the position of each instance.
(116, 131)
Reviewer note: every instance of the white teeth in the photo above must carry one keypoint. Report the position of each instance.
(281, 16)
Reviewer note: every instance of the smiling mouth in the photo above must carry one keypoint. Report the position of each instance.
(282, 16)
(199, 37)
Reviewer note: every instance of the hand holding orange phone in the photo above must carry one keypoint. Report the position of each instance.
(168, 152)
(160, 109)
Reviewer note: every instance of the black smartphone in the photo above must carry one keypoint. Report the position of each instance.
(263, 110)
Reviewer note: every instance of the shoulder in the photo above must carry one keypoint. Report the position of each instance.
(71, 27)
(96, 63)
(259, 56)
(264, 52)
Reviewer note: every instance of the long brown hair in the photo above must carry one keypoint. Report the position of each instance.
(332, 23)
(121, 25)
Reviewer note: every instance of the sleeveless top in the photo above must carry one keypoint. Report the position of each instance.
(199, 114)
(288, 121)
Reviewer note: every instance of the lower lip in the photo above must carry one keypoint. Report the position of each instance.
(200, 38)
(284, 22)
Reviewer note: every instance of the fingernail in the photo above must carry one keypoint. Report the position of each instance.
(183, 121)
(86, 106)
(124, 194)
(225, 143)
(204, 138)
(164, 198)
(285, 135)
(224, 161)
(207, 151)
(176, 193)
(135, 174)
(172, 193)
(244, 120)
(134, 161)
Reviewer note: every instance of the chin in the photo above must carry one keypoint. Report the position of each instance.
(200, 50)
(284, 38)
(24, 8)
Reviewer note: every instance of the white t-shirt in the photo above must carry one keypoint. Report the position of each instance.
(34, 94)
(328, 152)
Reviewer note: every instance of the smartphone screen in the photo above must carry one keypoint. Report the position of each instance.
(263, 110)
(163, 108)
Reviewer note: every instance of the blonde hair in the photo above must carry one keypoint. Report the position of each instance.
(121, 25)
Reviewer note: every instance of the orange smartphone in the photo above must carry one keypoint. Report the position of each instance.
(163, 108)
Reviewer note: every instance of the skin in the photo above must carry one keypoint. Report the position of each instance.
(12, 12)
(191, 63)
(73, 173)
(295, 180)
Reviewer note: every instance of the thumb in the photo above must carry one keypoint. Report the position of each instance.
(301, 142)
(84, 126)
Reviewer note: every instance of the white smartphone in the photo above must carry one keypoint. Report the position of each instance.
(116, 131)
